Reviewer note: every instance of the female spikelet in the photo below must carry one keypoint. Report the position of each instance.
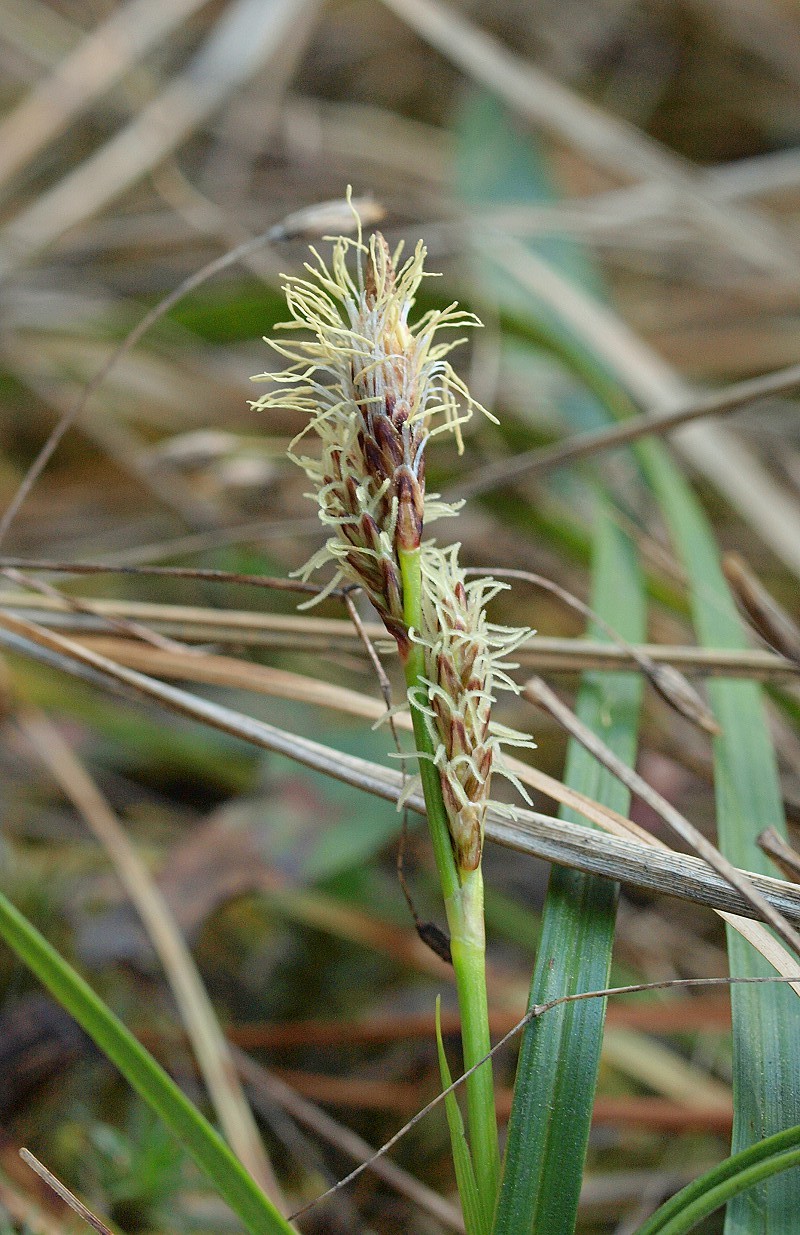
(464, 666)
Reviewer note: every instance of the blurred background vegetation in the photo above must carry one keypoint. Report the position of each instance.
(644, 151)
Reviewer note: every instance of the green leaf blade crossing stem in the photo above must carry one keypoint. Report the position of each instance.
(559, 1056)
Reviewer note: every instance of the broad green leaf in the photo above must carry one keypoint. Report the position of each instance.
(559, 1055)
(766, 1019)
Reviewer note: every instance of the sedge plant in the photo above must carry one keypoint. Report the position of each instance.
(376, 388)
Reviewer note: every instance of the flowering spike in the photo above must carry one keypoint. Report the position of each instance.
(376, 389)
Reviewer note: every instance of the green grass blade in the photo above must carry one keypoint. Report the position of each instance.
(256, 1212)
(557, 1069)
(476, 1220)
(559, 1055)
(731, 1178)
(766, 1019)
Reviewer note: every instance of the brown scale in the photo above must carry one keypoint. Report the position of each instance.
(389, 445)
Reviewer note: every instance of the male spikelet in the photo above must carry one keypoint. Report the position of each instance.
(375, 389)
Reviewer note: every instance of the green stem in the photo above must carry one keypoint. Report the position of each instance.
(468, 948)
(463, 898)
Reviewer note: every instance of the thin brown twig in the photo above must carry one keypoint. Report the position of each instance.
(259, 530)
(229, 671)
(781, 852)
(76, 605)
(538, 692)
(66, 422)
(430, 934)
(381, 1028)
(560, 655)
(533, 1013)
(264, 1084)
(665, 679)
(375, 661)
(206, 574)
(545, 459)
(764, 615)
(529, 832)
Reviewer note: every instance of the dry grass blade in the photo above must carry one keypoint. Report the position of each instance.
(783, 855)
(719, 403)
(27, 1212)
(97, 62)
(641, 117)
(529, 832)
(763, 612)
(196, 1010)
(602, 139)
(771, 509)
(665, 679)
(539, 693)
(270, 582)
(273, 1090)
(533, 1013)
(64, 1193)
(228, 671)
(312, 754)
(195, 624)
(302, 222)
(751, 488)
(651, 381)
(635, 862)
(133, 629)
(247, 34)
(238, 674)
(574, 655)
(710, 1013)
(117, 440)
(280, 683)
